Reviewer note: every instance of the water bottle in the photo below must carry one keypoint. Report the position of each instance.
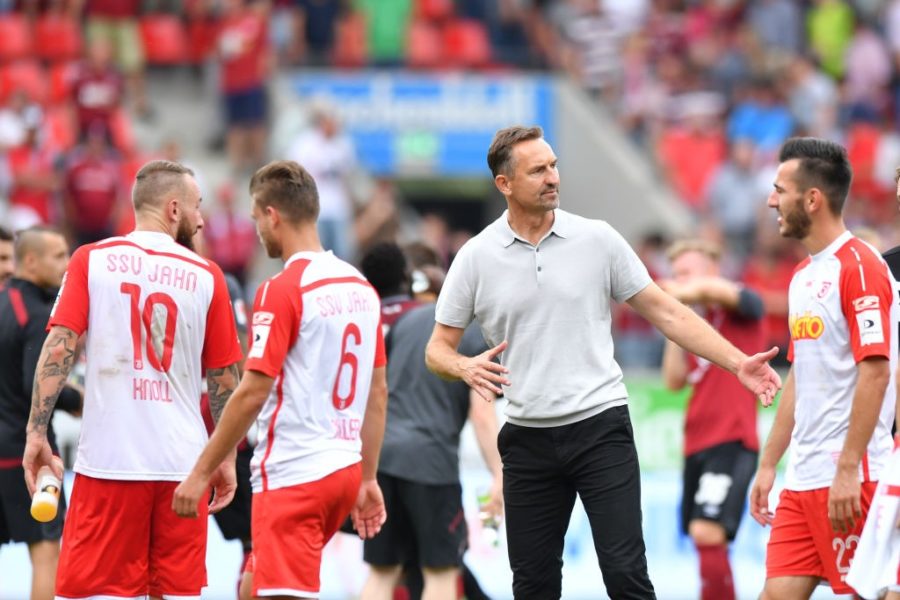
(46, 498)
(490, 523)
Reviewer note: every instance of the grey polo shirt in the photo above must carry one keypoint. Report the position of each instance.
(552, 303)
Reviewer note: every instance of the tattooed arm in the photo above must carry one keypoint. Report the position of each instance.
(221, 383)
(53, 367)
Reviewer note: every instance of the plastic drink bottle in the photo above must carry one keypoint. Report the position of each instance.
(490, 524)
(46, 497)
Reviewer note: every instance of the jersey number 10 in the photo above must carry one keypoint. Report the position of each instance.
(138, 316)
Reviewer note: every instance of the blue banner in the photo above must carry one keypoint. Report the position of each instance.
(406, 124)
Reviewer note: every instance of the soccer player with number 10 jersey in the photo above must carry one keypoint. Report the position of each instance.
(315, 378)
(155, 314)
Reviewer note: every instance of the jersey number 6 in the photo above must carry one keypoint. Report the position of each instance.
(145, 316)
(349, 359)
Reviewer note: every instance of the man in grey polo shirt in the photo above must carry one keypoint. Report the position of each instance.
(539, 282)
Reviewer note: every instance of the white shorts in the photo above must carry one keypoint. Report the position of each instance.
(876, 565)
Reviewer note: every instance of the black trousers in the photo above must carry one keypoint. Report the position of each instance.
(543, 470)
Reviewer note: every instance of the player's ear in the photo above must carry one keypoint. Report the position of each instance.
(502, 183)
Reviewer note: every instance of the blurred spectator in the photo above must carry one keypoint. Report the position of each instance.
(592, 52)
(762, 117)
(116, 23)
(97, 87)
(777, 23)
(769, 271)
(692, 149)
(829, 26)
(94, 198)
(7, 266)
(637, 343)
(868, 70)
(246, 65)
(378, 219)
(315, 23)
(35, 177)
(735, 197)
(813, 98)
(13, 117)
(328, 154)
(387, 26)
(230, 236)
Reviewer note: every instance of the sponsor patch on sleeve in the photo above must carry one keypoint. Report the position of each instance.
(262, 327)
(871, 329)
(866, 303)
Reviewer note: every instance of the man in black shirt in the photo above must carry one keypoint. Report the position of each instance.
(418, 471)
(41, 256)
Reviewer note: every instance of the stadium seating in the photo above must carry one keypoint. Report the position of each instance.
(466, 44)
(58, 38)
(15, 37)
(165, 39)
(26, 74)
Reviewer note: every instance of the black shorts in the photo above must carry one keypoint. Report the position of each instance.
(16, 524)
(715, 486)
(234, 519)
(425, 524)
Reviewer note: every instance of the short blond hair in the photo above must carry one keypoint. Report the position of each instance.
(706, 247)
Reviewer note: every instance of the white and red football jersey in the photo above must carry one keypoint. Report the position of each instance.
(876, 563)
(316, 329)
(843, 309)
(155, 315)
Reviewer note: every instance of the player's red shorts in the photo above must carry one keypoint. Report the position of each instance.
(122, 538)
(803, 543)
(291, 527)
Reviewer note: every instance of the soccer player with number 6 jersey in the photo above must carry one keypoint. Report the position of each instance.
(154, 314)
(838, 401)
(315, 377)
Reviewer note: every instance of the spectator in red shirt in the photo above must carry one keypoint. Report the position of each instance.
(231, 239)
(93, 188)
(33, 167)
(245, 56)
(97, 88)
(720, 443)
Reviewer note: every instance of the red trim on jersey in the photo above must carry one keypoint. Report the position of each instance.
(331, 280)
(865, 467)
(270, 438)
(101, 246)
(892, 490)
(72, 307)
(10, 463)
(864, 276)
(18, 305)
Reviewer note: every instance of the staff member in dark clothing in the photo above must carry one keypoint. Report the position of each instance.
(41, 257)
(418, 471)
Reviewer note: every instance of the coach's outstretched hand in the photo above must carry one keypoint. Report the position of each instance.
(369, 513)
(757, 376)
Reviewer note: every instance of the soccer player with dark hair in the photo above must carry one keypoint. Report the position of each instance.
(838, 403)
